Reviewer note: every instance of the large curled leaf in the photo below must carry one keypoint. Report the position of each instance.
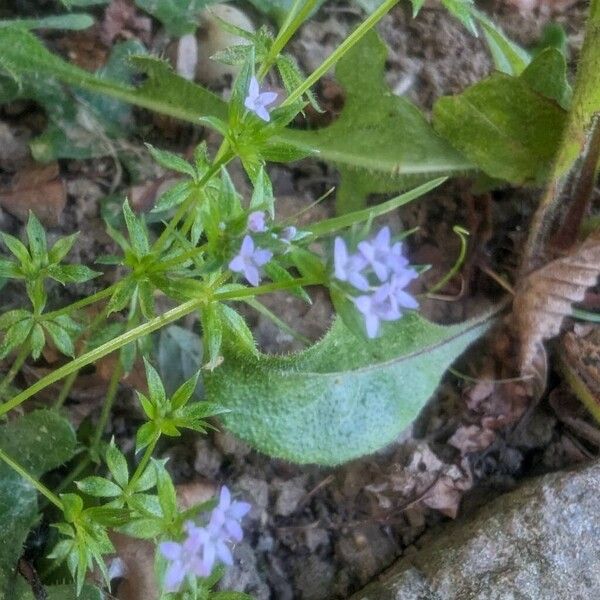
(504, 125)
(342, 398)
(39, 441)
(381, 142)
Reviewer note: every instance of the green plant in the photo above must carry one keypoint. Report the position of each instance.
(347, 395)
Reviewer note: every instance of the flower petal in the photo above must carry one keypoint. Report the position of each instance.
(253, 88)
(252, 275)
(224, 498)
(237, 264)
(174, 577)
(170, 550)
(267, 98)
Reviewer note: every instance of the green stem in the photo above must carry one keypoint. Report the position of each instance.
(295, 17)
(97, 297)
(462, 234)
(192, 199)
(111, 394)
(350, 41)
(40, 487)
(577, 145)
(15, 368)
(66, 390)
(145, 329)
(142, 465)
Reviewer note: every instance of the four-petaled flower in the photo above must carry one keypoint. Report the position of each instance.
(257, 101)
(184, 558)
(249, 260)
(256, 221)
(349, 267)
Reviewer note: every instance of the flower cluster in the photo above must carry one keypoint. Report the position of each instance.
(381, 261)
(203, 546)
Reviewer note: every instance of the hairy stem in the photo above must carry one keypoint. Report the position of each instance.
(578, 150)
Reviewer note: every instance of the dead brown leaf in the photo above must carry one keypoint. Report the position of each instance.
(471, 438)
(38, 188)
(545, 297)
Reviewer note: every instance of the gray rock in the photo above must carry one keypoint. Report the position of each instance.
(539, 542)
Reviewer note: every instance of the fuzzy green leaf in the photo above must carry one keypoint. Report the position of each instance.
(40, 441)
(342, 398)
(381, 142)
(504, 126)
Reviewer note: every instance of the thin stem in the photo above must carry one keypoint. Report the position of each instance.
(15, 368)
(97, 297)
(295, 17)
(40, 487)
(462, 234)
(142, 465)
(350, 41)
(191, 200)
(145, 329)
(66, 390)
(111, 394)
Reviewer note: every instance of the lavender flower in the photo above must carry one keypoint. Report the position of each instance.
(257, 101)
(379, 306)
(197, 554)
(185, 558)
(348, 267)
(229, 514)
(249, 260)
(256, 221)
(383, 257)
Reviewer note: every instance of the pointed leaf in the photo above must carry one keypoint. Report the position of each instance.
(342, 398)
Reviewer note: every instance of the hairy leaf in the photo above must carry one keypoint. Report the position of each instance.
(342, 398)
(39, 441)
(504, 126)
(381, 142)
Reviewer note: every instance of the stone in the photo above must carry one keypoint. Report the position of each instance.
(538, 542)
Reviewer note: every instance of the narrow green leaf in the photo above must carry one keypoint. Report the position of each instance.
(37, 238)
(15, 336)
(71, 21)
(212, 334)
(155, 386)
(360, 216)
(117, 464)
(61, 248)
(136, 230)
(17, 248)
(184, 392)
(61, 338)
(171, 161)
(508, 56)
(99, 487)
